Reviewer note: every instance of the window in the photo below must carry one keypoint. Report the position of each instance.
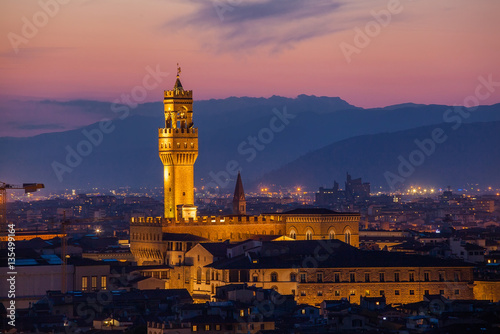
(293, 235)
(382, 292)
(337, 293)
(331, 235)
(352, 292)
(337, 277)
(207, 328)
(367, 277)
(94, 282)
(396, 292)
(347, 237)
(255, 278)
(456, 277)
(207, 278)
(457, 292)
(198, 275)
(217, 327)
(274, 277)
(352, 277)
(427, 276)
(320, 293)
(426, 292)
(85, 283)
(293, 277)
(412, 277)
(382, 277)
(319, 277)
(367, 292)
(396, 277)
(441, 276)
(302, 293)
(195, 328)
(103, 282)
(309, 235)
(441, 292)
(412, 292)
(303, 277)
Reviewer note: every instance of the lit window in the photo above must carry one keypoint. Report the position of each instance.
(94, 282)
(85, 283)
(195, 328)
(347, 237)
(103, 282)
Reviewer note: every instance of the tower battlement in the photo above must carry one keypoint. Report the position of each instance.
(177, 93)
(205, 220)
(166, 132)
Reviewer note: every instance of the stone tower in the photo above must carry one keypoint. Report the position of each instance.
(178, 146)
(239, 202)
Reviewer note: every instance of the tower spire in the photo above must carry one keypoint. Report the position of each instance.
(239, 202)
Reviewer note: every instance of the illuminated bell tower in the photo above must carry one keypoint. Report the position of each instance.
(178, 146)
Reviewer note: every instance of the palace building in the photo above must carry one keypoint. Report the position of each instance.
(178, 150)
(316, 258)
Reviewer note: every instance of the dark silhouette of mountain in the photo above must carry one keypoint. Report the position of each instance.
(255, 135)
(466, 155)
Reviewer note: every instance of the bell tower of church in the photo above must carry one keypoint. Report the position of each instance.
(178, 147)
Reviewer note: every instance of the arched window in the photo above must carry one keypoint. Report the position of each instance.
(274, 277)
(331, 235)
(293, 235)
(208, 276)
(309, 235)
(347, 237)
(198, 275)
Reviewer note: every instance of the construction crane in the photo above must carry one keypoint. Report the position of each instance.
(27, 187)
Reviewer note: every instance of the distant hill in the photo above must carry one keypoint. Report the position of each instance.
(128, 155)
(469, 154)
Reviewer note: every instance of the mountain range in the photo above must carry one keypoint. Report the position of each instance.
(307, 141)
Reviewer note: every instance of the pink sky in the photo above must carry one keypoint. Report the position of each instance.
(431, 52)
